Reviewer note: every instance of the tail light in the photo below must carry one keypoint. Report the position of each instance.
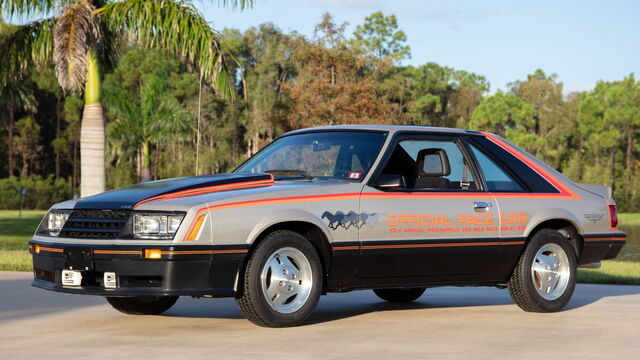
(613, 215)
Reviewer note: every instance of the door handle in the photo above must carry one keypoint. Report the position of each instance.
(481, 206)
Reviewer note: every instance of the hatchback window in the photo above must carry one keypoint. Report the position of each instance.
(496, 177)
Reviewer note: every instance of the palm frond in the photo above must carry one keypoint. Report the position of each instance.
(242, 4)
(29, 8)
(74, 33)
(174, 26)
(23, 46)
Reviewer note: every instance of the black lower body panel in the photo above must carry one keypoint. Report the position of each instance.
(181, 270)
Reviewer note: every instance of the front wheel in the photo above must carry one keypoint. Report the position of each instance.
(282, 282)
(545, 276)
(142, 305)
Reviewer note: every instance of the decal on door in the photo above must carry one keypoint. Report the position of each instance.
(473, 222)
(351, 219)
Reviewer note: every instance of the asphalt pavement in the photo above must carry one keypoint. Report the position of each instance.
(601, 322)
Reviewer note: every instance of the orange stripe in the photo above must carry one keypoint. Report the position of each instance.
(512, 243)
(50, 249)
(356, 247)
(208, 189)
(118, 252)
(198, 252)
(488, 243)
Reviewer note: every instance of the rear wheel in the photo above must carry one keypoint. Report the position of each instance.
(142, 305)
(282, 282)
(545, 276)
(400, 294)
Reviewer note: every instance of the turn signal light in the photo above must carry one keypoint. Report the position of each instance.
(152, 254)
(196, 228)
(36, 248)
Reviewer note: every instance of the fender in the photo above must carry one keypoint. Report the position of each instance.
(277, 217)
(553, 214)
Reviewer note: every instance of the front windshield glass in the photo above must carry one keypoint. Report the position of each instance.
(338, 155)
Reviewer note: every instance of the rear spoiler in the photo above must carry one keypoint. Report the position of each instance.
(602, 191)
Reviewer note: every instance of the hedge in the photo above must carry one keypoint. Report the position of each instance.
(41, 192)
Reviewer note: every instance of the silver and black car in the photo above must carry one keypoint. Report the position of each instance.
(396, 209)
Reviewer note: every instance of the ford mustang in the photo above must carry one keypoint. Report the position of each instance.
(395, 209)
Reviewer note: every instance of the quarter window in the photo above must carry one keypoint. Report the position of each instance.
(497, 178)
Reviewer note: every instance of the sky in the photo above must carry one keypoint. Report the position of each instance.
(582, 41)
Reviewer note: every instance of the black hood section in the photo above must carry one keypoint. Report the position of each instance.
(128, 197)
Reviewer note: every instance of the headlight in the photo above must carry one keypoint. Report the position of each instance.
(54, 222)
(156, 226)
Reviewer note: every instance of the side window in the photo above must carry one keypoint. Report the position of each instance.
(496, 177)
(431, 164)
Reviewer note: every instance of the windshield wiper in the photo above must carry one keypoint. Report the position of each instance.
(300, 173)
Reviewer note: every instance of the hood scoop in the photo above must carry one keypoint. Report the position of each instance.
(135, 195)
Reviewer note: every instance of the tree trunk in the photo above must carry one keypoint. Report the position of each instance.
(234, 135)
(10, 131)
(629, 162)
(92, 174)
(75, 165)
(146, 162)
(57, 148)
(156, 162)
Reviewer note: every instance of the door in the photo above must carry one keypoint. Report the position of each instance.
(440, 227)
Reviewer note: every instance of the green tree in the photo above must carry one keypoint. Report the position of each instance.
(443, 96)
(335, 85)
(143, 109)
(508, 116)
(81, 37)
(27, 143)
(552, 122)
(381, 38)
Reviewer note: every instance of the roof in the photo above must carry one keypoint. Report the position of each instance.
(389, 128)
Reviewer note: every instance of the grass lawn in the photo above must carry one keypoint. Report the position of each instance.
(612, 272)
(15, 232)
(629, 219)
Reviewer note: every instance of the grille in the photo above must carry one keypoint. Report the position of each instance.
(95, 224)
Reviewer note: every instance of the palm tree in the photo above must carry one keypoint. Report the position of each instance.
(155, 116)
(82, 37)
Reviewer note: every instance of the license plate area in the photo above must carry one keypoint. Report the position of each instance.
(78, 258)
(71, 278)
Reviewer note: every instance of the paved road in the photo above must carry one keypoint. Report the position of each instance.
(602, 322)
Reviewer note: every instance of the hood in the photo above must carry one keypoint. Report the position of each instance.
(134, 195)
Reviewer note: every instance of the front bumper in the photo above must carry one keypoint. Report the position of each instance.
(182, 270)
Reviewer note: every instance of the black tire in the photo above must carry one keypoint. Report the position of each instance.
(254, 304)
(521, 284)
(399, 294)
(142, 305)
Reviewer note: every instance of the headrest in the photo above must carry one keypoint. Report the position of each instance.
(433, 162)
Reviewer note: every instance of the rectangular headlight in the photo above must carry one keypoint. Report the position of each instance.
(156, 226)
(54, 222)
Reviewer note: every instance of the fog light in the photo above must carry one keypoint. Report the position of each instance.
(152, 254)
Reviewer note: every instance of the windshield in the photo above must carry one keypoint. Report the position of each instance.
(338, 155)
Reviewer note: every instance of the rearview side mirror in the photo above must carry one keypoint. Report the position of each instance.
(387, 181)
